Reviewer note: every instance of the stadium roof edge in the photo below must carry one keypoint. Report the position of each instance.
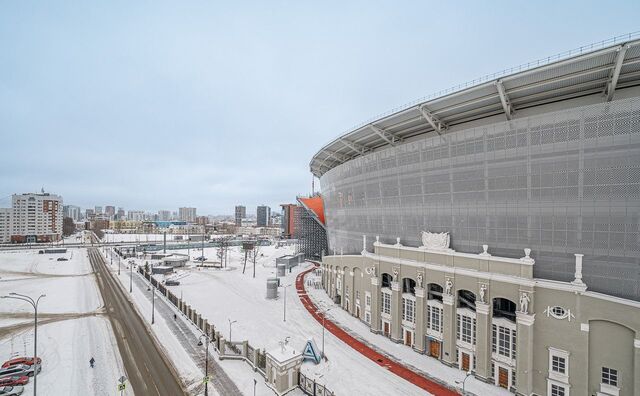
(571, 74)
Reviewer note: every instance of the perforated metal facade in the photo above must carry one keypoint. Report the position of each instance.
(559, 183)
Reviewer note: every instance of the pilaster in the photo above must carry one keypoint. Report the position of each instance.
(483, 337)
(375, 305)
(449, 330)
(636, 365)
(396, 312)
(420, 313)
(524, 354)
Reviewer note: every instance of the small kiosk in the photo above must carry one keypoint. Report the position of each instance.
(283, 368)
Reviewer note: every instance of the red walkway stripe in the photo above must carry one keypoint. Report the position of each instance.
(381, 360)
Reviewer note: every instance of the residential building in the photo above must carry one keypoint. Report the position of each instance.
(5, 225)
(241, 213)
(89, 214)
(187, 214)
(120, 215)
(288, 220)
(110, 211)
(98, 210)
(164, 215)
(135, 215)
(263, 216)
(71, 211)
(36, 217)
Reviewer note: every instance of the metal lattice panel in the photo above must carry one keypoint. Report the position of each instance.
(559, 183)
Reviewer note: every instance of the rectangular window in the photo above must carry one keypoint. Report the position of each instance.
(408, 310)
(557, 390)
(435, 318)
(609, 376)
(367, 300)
(558, 364)
(386, 303)
(493, 338)
(367, 317)
(358, 294)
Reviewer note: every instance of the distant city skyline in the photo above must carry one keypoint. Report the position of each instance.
(217, 105)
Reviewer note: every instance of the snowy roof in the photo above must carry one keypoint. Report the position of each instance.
(284, 353)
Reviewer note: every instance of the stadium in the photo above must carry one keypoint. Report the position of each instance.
(546, 158)
(494, 227)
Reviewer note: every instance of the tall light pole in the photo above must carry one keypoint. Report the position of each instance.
(130, 276)
(34, 304)
(206, 363)
(230, 323)
(324, 315)
(153, 302)
(284, 317)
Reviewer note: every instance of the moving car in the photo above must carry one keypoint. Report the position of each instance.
(20, 369)
(171, 282)
(14, 380)
(11, 390)
(20, 360)
(201, 258)
(62, 259)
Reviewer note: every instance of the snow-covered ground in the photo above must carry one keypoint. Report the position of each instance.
(228, 294)
(71, 327)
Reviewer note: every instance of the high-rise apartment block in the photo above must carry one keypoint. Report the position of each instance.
(263, 216)
(36, 218)
(5, 225)
(187, 214)
(164, 215)
(241, 213)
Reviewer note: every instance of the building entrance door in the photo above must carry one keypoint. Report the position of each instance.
(503, 378)
(465, 362)
(434, 349)
(407, 338)
(386, 328)
(357, 311)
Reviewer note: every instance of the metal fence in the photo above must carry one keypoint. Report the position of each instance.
(311, 387)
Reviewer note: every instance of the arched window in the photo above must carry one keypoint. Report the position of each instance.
(435, 292)
(466, 299)
(386, 280)
(504, 308)
(408, 286)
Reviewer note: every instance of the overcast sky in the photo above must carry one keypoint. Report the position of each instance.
(154, 105)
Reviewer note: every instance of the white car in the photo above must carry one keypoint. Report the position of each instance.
(11, 390)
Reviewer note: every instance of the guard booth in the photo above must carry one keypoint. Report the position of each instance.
(283, 368)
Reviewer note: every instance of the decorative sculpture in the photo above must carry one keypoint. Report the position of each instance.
(395, 274)
(448, 286)
(483, 290)
(419, 279)
(435, 241)
(524, 302)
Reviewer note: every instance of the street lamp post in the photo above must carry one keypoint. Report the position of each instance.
(230, 323)
(153, 303)
(34, 304)
(206, 362)
(469, 374)
(130, 276)
(284, 317)
(324, 315)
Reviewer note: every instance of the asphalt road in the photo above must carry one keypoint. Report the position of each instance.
(149, 370)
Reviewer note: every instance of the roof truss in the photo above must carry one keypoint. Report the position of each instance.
(388, 137)
(504, 99)
(615, 73)
(435, 123)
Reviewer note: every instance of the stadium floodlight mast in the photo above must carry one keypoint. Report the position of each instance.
(34, 304)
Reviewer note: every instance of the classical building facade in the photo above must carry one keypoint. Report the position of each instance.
(489, 315)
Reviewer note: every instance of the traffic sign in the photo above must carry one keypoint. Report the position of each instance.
(122, 387)
(206, 379)
(122, 379)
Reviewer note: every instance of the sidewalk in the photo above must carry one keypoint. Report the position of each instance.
(365, 350)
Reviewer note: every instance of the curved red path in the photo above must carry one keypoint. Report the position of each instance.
(379, 359)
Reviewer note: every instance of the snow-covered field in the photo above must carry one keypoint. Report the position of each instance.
(71, 327)
(227, 294)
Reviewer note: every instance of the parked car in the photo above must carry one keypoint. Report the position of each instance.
(201, 258)
(20, 360)
(20, 369)
(63, 259)
(11, 390)
(172, 283)
(15, 380)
